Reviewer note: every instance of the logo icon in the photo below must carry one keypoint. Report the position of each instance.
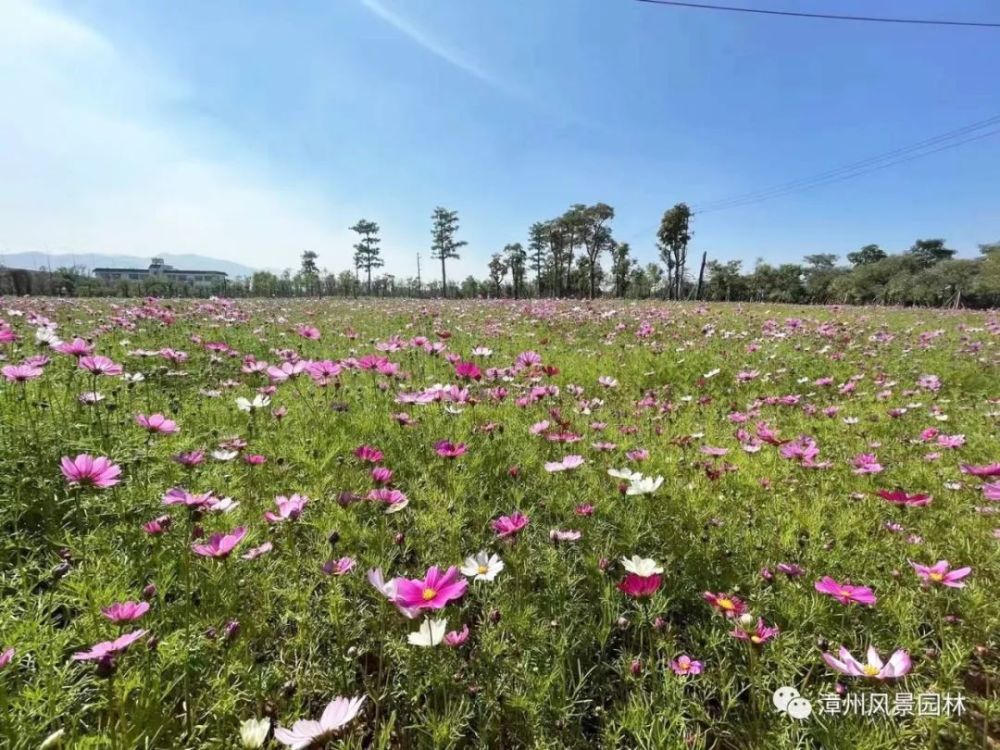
(788, 701)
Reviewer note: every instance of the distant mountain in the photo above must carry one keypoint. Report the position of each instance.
(34, 261)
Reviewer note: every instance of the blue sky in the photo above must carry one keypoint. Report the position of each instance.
(252, 131)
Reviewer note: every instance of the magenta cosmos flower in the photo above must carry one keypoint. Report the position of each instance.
(447, 449)
(369, 453)
(289, 508)
(640, 587)
(88, 471)
(898, 665)
(898, 497)
(106, 650)
(21, 373)
(846, 593)
(506, 526)
(6, 657)
(305, 733)
(468, 370)
(99, 366)
(432, 592)
(941, 573)
(457, 637)
(220, 545)
(988, 470)
(725, 604)
(157, 423)
(125, 611)
(991, 491)
(568, 463)
(762, 633)
(684, 665)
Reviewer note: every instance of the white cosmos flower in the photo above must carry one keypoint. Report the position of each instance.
(259, 402)
(711, 373)
(225, 505)
(641, 566)
(482, 566)
(253, 732)
(644, 485)
(305, 733)
(47, 336)
(221, 455)
(431, 633)
(133, 377)
(627, 474)
(52, 740)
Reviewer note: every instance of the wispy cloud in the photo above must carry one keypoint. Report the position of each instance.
(438, 49)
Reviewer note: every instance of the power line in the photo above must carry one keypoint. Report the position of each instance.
(887, 156)
(824, 16)
(941, 142)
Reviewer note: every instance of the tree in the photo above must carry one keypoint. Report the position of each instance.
(867, 255)
(309, 272)
(498, 269)
(574, 226)
(538, 244)
(444, 246)
(366, 252)
(929, 252)
(821, 261)
(725, 282)
(674, 235)
(558, 245)
(596, 237)
(621, 267)
(516, 261)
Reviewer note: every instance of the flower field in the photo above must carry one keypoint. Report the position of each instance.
(432, 524)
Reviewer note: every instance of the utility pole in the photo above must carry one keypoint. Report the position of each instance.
(701, 273)
(420, 286)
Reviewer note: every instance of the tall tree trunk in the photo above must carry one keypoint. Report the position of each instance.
(701, 274)
(444, 280)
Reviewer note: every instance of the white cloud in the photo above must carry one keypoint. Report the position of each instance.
(436, 47)
(94, 162)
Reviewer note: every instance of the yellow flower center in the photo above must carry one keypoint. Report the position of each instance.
(870, 670)
(937, 576)
(483, 570)
(844, 594)
(756, 639)
(726, 604)
(429, 594)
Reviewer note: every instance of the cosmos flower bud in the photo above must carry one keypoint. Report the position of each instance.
(494, 616)
(400, 538)
(622, 623)
(149, 591)
(659, 624)
(635, 667)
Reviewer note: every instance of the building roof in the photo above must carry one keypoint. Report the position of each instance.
(162, 270)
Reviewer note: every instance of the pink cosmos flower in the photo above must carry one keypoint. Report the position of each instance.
(76, 348)
(6, 657)
(289, 508)
(640, 587)
(988, 470)
(991, 491)
(584, 509)
(308, 332)
(388, 590)
(125, 611)
(566, 464)
(846, 593)
(898, 665)
(369, 454)
(99, 365)
(220, 545)
(157, 423)
(447, 449)
(158, 525)
(791, 570)
(88, 471)
(951, 441)
(762, 634)
(340, 567)
(684, 665)
(394, 499)
(253, 554)
(434, 591)
(107, 650)
(457, 637)
(507, 526)
(180, 496)
(898, 497)
(637, 455)
(190, 458)
(866, 463)
(381, 475)
(254, 459)
(725, 604)
(21, 373)
(941, 573)
(468, 370)
(305, 733)
(569, 535)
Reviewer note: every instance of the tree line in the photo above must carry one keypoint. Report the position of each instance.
(576, 255)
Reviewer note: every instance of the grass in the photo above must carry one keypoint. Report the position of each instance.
(558, 656)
